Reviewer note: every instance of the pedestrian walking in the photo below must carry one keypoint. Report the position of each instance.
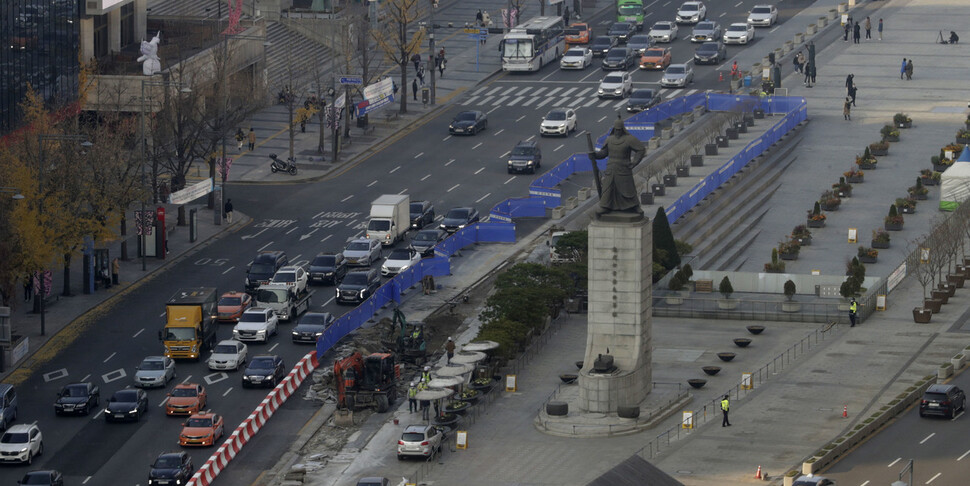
(879, 28)
(412, 398)
(240, 138)
(486, 19)
(28, 288)
(425, 409)
(853, 309)
(847, 108)
(852, 91)
(450, 349)
(868, 26)
(440, 61)
(416, 59)
(565, 15)
(394, 86)
(414, 88)
(228, 210)
(115, 271)
(796, 61)
(845, 31)
(478, 18)
(252, 139)
(902, 69)
(909, 69)
(848, 81)
(856, 33)
(421, 74)
(725, 407)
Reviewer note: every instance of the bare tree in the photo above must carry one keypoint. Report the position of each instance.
(921, 254)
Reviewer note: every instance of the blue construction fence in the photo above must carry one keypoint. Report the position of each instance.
(437, 266)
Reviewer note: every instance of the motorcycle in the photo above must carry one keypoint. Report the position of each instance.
(278, 165)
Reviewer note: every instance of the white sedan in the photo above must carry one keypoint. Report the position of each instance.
(400, 260)
(576, 58)
(664, 31)
(559, 121)
(739, 33)
(615, 85)
(763, 15)
(228, 355)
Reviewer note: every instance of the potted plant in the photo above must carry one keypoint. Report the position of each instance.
(906, 205)
(670, 178)
(880, 239)
(789, 305)
(712, 135)
(683, 167)
(940, 163)
(829, 201)
(902, 120)
(929, 177)
(922, 315)
(917, 191)
(867, 255)
(722, 141)
(788, 250)
(880, 148)
(726, 289)
(815, 217)
(854, 176)
(646, 198)
(894, 220)
(676, 285)
(658, 187)
(776, 265)
(963, 135)
(889, 133)
(866, 161)
(696, 140)
(802, 235)
(842, 188)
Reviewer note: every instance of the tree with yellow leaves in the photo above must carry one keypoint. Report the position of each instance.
(393, 39)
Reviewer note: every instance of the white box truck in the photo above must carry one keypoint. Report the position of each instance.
(389, 218)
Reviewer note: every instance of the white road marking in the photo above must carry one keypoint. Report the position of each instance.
(86, 377)
(964, 455)
(501, 100)
(492, 92)
(394, 170)
(934, 477)
(547, 100)
(372, 183)
(161, 315)
(97, 415)
(864, 484)
(446, 138)
(297, 227)
(186, 380)
(214, 378)
(538, 92)
(419, 155)
(227, 391)
(489, 194)
(500, 156)
(347, 198)
(228, 269)
(579, 134)
(351, 223)
(738, 4)
(891, 464)
(515, 101)
(723, 14)
(86, 480)
(325, 239)
(54, 375)
(487, 99)
(559, 147)
(927, 438)
(266, 245)
(469, 101)
(425, 177)
(453, 187)
(479, 144)
(163, 402)
(498, 132)
(139, 332)
(772, 30)
(510, 179)
(329, 301)
(273, 347)
(479, 171)
(449, 162)
(520, 118)
(108, 358)
(524, 91)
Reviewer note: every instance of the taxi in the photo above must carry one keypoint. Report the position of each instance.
(655, 58)
(202, 429)
(232, 305)
(578, 33)
(186, 399)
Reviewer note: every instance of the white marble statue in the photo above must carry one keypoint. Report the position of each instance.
(149, 56)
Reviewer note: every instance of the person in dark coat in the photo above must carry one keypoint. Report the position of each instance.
(848, 81)
(478, 18)
(845, 32)
(909, 70)
(565, 15)
(856, 33)
(852, 92)
(416, 59)
(414, 88)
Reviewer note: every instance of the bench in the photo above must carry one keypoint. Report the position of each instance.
(704, 286)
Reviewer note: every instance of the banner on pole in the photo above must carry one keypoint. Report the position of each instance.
(191, 193)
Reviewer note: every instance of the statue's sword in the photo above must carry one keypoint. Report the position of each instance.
(596, 169)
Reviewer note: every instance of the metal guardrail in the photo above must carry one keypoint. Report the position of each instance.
(748, 309)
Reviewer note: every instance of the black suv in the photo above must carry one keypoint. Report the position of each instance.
(358, 286)
(943, 400)
(171, 468)
(327, 268)
(264, 370)
(263, 267)
(422, 214)
(602, 44)
(526, 156)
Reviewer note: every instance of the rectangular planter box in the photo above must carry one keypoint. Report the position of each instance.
(758, 114)
(928, 181)
(788, 256)
(732, 133)
(879, 245)
(658, 189)
(811, 223)
(878, 152)
(670, 180)
(856, 179)
(908, 210)
(698, 160)
(893, 227)
(646, 198)
(867, 166)
(710, 149)
(722, 141)
(956, 280)
(942, 295)
(933, 305)
(867, 259)
(683, 171)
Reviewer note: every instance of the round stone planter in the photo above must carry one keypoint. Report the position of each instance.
(697, 383)
(481, 388)
(449, 420)
(568, 378)
(473, 396)
(557, 408)
(726, 356)
(454, 408)
(628, 412)
(789, 306)
(727, 304)
(742, 342)
(579, 365)
(711, 370)
(756, 329)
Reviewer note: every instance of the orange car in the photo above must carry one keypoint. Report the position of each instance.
(202, 429)
(655, 58)
(186, 399)
(578, 33)
(232, 305)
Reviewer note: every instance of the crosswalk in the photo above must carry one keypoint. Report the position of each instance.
(537, 97)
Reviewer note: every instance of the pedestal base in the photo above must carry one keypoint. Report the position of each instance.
(603, 393)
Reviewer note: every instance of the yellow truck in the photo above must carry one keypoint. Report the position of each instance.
(190, 326)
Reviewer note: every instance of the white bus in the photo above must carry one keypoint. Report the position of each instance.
(533, 44)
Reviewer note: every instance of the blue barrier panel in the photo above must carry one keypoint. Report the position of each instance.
(495, 232)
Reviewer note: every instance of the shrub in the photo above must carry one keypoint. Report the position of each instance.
(880, 145)
(789, 246)
(677, 282)
(725, 287)
(907, 202)
(789, 290)
(801, 231)
(901, 118)
(880, 236)
(888, 131)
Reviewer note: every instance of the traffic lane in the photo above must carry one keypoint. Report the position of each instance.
(938, 445)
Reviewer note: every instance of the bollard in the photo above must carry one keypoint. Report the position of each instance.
(558, 212)
(811, 29)
(833, 14)
(787, 47)
(822, 22)
(843, 7)
(583, 193)
(799, 38)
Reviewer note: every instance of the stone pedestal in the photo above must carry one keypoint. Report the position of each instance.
(620, 263)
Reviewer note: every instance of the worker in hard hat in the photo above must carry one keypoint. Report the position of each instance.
(426, 374)
(412, 398)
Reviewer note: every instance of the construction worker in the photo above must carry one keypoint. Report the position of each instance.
(725, 406)
(853, 308)
(426, 374)
(450, 349)
(412, 400)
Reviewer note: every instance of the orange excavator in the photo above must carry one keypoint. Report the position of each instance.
(366, 381)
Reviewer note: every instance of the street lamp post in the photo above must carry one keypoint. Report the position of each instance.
(432, 56)
(41, 138)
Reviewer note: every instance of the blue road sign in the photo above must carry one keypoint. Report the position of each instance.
(351, 80)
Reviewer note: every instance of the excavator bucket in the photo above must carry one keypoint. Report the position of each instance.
(343, 417)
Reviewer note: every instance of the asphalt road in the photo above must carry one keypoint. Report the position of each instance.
(937, 446)
(303, 220)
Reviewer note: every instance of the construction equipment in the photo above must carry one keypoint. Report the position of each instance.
(412, 345)
(366, 381)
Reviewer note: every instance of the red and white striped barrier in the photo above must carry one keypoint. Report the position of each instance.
(221, 458)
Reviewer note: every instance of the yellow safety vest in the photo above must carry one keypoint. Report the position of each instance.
(426, 376)
(853, 307)
(725, 405)
(412, 392)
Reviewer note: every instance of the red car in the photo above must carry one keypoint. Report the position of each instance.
(232, 305)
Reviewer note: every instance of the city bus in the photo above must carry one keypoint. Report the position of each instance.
(533, 44)
(630, 11)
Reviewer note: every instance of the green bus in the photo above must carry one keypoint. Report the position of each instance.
(630, 11)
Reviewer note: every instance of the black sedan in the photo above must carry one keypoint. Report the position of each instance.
(602, 44)
(641, 99)
(619, 58)
(710, 53)
(264, 370)
(458, 218)
(171, 468)
(77, 398)
(422, 214)
(425, 240)
(311, 326)
(468, 123)
(127, 404)
(622, 31)
(43, 478)
(327, 268)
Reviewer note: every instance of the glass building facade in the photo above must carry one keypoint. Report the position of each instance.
(39, 46)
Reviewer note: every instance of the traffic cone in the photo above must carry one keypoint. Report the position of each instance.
(845, 411)
(758, 474)
(720, 75)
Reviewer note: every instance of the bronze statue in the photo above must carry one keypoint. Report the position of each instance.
(619, 192)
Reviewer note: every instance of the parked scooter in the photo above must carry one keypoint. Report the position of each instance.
(278, 165)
